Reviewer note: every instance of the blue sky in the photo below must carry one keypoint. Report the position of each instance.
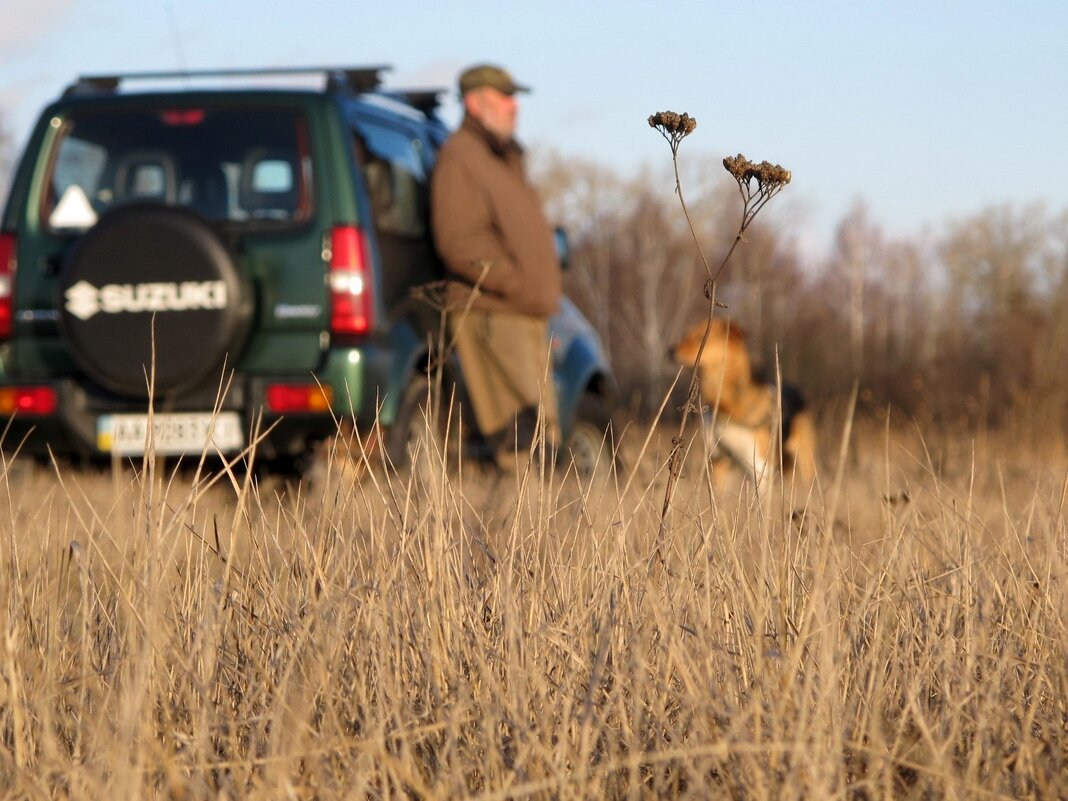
(927, 111)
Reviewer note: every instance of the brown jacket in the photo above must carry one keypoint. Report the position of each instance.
(485, 213)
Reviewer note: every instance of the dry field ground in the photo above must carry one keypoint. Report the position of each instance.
(446, 633)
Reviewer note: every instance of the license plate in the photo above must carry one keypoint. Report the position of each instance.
(173, 434)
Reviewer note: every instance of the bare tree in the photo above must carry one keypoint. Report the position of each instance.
(858, 249)
(994, 261)
(1052, 385)
(587, 199)
(993, 256)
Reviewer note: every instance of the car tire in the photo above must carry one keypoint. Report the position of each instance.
(420, 433)
(152, 289)
(592, 448)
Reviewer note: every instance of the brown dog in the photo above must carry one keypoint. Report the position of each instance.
(744, 419)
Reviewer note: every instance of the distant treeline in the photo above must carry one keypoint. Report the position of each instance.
(963, 327)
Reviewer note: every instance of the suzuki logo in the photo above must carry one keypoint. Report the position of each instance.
(82, 300)
(85, 300)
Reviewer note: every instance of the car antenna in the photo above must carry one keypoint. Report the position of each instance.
(176, 36)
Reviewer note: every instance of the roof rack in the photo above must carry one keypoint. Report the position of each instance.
(350, 79)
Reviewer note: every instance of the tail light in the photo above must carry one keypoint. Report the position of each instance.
(7, 283)
(290, 398)
(27, 401)
(178, 117)
(349, 282)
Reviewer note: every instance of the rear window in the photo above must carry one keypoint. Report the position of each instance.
(238, 165)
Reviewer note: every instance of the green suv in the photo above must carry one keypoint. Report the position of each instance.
(242, 260)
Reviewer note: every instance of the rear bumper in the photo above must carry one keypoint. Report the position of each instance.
(356, 377)
(73, 429)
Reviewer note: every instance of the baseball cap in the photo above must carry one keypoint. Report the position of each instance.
(489, 75)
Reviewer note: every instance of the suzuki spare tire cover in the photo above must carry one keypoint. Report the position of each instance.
(149, 280)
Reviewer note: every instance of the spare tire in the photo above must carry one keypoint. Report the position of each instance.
(151, 283)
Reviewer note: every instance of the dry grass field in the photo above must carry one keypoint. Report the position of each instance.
(447, 633)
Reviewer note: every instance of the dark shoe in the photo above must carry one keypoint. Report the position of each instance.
(526, 428)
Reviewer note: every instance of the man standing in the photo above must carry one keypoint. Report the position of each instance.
(501, 260)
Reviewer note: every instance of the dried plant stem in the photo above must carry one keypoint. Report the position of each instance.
(757, 184)
(689, 221)
(693, 395)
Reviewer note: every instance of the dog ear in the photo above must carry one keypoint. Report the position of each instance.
(735, 331)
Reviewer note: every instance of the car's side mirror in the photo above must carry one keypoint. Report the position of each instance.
(563, 248)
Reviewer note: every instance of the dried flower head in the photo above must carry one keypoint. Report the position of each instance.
(435, 294)
(757, 183)
(672, 123)
(672, 126)
(766, 174)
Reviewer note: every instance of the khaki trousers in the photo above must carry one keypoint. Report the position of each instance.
(504, 358)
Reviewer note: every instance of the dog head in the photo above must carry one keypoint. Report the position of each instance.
(726, 342)
(724, 365)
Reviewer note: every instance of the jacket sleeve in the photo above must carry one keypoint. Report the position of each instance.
(465, 231)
